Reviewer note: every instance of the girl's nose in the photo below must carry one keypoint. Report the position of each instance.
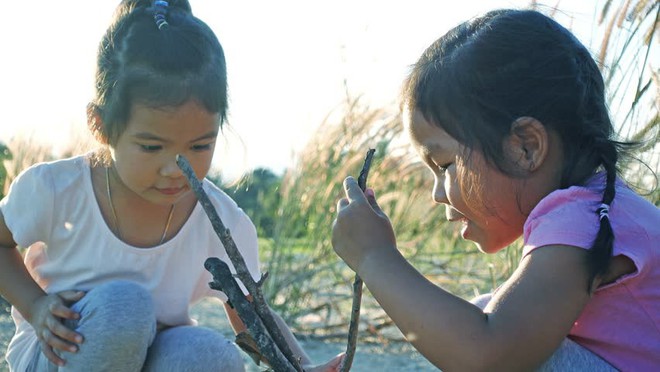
(170, 168)
(439, 194)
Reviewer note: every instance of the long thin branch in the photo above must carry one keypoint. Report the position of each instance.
(254, 288)
(357, 284)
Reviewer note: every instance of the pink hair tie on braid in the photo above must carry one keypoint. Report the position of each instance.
(159, 17)
(603, 211)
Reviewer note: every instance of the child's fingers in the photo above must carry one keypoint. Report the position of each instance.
(341, 204)
(55, 342)
(71, 296)
(64, 334)
(371, 198)
(331, 366)
(50, 354)
(61, 311)
(337, 361)
(353, 191)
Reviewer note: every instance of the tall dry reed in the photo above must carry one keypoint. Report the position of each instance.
(312, 287)
(308, 282)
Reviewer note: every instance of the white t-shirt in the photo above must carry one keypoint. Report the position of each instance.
(54, 203)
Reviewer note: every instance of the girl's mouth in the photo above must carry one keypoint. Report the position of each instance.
(171, 190)
(464, 228)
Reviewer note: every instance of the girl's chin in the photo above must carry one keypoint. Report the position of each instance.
(470, 232)
(487, 247)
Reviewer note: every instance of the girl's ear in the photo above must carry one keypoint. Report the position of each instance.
(95, 124)
(527, 144)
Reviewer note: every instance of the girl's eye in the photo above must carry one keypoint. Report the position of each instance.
(151, 148)
(443, 168)
(201, 147)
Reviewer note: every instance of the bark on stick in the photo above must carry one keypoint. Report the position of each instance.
(261, 307)
(224, 281)
(357, 284)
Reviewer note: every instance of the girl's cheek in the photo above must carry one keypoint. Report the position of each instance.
(453, 188)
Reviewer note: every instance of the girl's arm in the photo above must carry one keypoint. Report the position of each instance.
(523, 324)
(44, 312)
(16, 284)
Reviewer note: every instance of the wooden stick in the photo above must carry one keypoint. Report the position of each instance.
(254, 288)
(224, 281)
(357, 284)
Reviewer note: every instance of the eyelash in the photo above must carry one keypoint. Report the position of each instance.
(201, 147)
(443, 168)
(150, 148)
(154, 148)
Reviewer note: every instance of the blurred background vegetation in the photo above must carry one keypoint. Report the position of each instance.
(294, 211)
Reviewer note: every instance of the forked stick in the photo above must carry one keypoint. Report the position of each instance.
(254, 288)
(224, 281)
(357, 284)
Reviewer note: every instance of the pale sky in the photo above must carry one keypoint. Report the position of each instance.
(287, 62)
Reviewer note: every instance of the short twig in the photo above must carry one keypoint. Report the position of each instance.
(260, 305)
(357, 284)
(224, 281)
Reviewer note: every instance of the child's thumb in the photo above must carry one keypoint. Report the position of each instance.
(353, 191)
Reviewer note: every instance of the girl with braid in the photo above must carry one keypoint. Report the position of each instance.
(117, 239)
(508, 112)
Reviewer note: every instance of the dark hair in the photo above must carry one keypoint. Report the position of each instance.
(481, 76)
(158, 54)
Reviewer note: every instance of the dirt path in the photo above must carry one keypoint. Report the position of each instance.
(369, 357)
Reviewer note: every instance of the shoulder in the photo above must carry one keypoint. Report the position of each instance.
(58, 171)
(218, 197)
(569, 217)
(566, 216)
(242, 230)
(230, 212)
(50, 176)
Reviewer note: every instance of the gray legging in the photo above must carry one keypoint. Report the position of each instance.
(119, 327)
(570, 356)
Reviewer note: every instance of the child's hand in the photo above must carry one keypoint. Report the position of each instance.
(47, 315)
(331, 366)
(361, 226)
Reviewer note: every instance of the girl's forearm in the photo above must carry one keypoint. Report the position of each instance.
(291, 340)
(446, 329)
(16, 284)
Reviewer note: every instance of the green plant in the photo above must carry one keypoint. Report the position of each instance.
(257, 193)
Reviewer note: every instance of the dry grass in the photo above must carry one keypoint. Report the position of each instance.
(311, 283)
(311, 286)
(308, 283)
(25, 151)
(628, 57)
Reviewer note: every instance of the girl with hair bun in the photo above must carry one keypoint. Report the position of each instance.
(117, 239)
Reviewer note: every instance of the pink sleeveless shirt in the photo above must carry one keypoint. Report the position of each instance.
(621, 323)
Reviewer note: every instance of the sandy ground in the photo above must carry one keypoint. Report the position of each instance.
(369, 357)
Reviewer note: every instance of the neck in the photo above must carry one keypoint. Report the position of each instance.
(137, 214)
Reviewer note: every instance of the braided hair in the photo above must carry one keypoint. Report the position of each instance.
(156, 53)
(485, 73)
